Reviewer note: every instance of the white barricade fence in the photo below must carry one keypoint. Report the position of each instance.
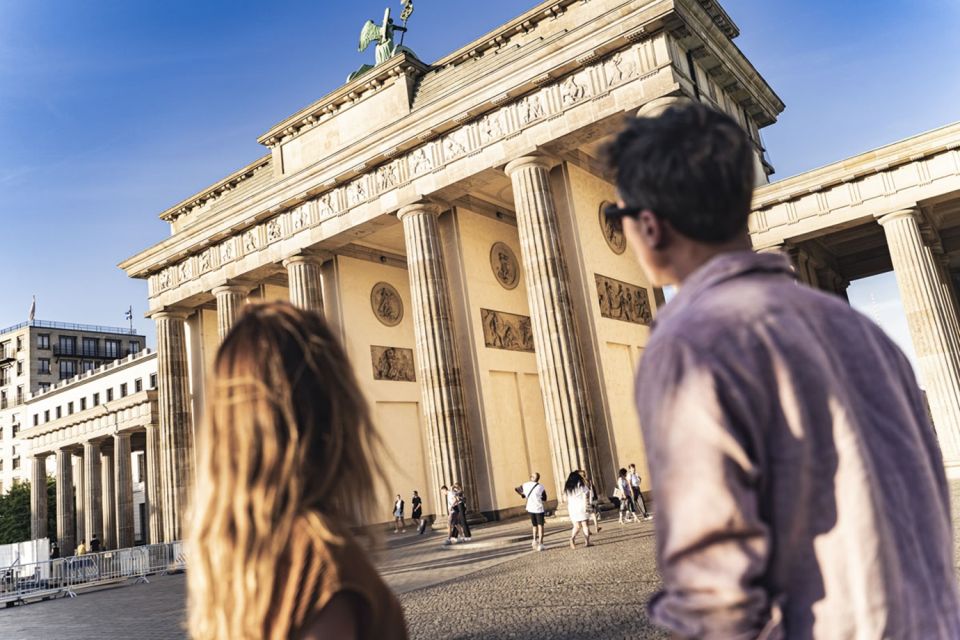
(65, 576)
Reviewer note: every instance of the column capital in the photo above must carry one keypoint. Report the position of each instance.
(533, 160)
(422, 207)
(170, 313)
(657, 106)
(885, 218)
(307, 257)
(232, 289)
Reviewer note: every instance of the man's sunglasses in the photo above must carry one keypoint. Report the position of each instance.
(616, 214)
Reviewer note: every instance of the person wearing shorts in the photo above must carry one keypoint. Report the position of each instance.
(535, 495)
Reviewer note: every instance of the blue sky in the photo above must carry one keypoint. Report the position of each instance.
(111, 110)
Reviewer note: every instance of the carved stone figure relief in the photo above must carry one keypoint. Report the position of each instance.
(612, 232)
(618, 67)
(572, 90)
(274, 230)
(388, 176)
(226, 251)
(185, 270)
(491, 127)
(250, 241)
(387, 304)
(504, 264)
(420, 162)
(299, 217)
(623, 301)
(205, 261)
(163, 280)
(325, 205)
(508, 331)
(393, 363)
(531, 108)
(356, 193)
(455, 144)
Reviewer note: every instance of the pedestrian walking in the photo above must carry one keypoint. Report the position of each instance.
(453, 515)
(800, 487)
(399, 526)
(578, 497)
(635, 492)
(535, 494)
(54, 551)
(270, 528)
(81, 549)
(593, 504)
(460, 504)
(624, 495)
(95, 545)
(416, 513)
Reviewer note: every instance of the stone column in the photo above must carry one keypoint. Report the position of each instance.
(109, 502)
(153, 528)
(303, 274)
(38, 497)
(176, 430)
(78, 492)
(65, 523)
(438, 368)
(559, 361)
(92, 491)
(933, 324)
(123, 481)
(230, 301)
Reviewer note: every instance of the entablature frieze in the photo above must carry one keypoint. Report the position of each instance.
(900, 176)
(303, 205)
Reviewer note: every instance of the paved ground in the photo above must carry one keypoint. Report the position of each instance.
(495, 587)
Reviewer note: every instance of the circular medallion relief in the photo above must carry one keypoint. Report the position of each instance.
(386, 304)
(612, 231)
(504, 264)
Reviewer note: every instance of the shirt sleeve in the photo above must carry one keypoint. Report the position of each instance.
(699, 425)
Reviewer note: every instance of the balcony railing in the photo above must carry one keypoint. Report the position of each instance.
(98, 353)
(7, 355)
(69, 326)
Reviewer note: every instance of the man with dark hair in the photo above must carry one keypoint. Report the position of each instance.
(800, 488)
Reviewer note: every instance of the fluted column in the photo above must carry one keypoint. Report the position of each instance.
(38, 497)
(176, 430)
(230, 301)
(123, 482)
(933, 324)
(303, 275)
(438, 368)
(78, 493)
(153, 528)
(559, 360)
(65, 523)
(92, 491)
(109, 499)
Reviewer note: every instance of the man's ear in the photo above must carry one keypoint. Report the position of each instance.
(652, 230)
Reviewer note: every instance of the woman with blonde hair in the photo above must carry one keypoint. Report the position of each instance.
(284, 472)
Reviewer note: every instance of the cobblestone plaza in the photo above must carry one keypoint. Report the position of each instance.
(494, 587)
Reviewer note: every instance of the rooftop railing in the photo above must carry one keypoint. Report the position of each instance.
(70, 326)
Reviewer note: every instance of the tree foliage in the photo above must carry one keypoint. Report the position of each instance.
(15, 512)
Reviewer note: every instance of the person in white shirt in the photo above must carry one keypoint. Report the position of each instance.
(637, 496)
(453, 514)
(578, 496)
(535, 494)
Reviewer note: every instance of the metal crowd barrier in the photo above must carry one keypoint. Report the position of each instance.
(63, 577)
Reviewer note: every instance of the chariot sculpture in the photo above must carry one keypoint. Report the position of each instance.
(383, 34)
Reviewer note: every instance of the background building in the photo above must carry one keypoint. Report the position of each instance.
(36, 355)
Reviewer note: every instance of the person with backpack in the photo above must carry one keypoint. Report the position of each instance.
(535, 494)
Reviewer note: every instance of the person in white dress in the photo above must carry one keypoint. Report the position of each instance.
(578, 496)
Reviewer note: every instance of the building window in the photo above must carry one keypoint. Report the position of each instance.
(46, 416)
(138, 385)
(4, 376)
(19, 367)
(5, 349)
(20, 397)
(111, 348)
(68, 369)
(36, 421)
(134, 347)
(44, 387)
(153, 381)
(44, 366)
(140, 462)
(1, 465)
(123, 390)
(110, 394)
(68, 345)
(59, 412)
(83, 404)
(19, 343)
(90, 347)
(14, 430)
(3, 399)
(43, 341)
(88, 366)
(1, 433)
(96, 399)
(69, 408)
(16, 463)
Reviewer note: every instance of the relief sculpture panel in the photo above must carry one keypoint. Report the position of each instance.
(508, 331)
(623, 301)
(386, 304)
(393, 363)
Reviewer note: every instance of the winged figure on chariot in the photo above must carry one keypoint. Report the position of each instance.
(384, 35)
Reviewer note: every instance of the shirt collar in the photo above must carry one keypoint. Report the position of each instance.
(721, 268)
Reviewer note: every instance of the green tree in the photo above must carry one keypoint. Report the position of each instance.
(15, 512)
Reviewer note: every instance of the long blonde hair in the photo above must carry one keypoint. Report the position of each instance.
(283, 461)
